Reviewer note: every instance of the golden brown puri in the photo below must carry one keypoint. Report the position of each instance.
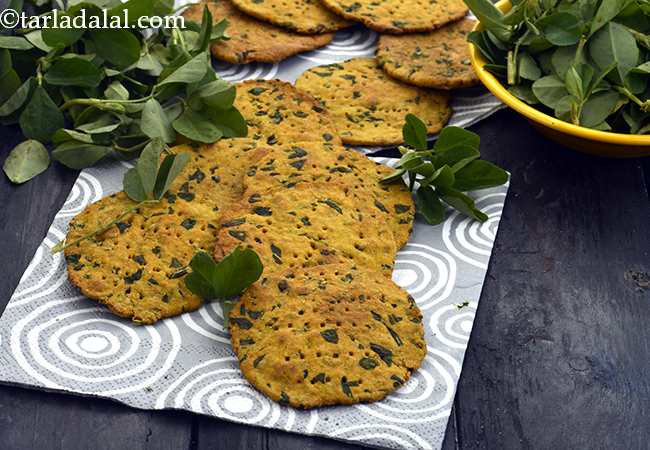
(136, 267)
(334, 334)
(253, 40)
(367, 106)
(277, 113)
(399, 17)
(439, 59)
(286, 166)
(306, 225)
(300, 16)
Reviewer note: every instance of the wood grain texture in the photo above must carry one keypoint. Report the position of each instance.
(559, 353)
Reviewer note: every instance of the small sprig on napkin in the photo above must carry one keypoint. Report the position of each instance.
(226, 279)
(145, 184)
(446, 172)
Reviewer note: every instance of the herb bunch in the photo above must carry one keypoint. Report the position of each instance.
(586, 62)
(443, 174)
(92, 93)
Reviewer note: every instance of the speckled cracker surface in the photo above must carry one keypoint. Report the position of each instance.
(367, 106)
(327, 335)
(254, 40)
(398, 17)
(278, 113)
(307, 225)
(302, 16)
(286, 166)
(136, 267)
(439, 59)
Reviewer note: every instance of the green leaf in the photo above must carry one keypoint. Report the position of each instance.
(480, 175)
(226, 279)
(643, 68)
(147, 166)
(41, 117)
(5, 62)
(217, 94)
(9, 84)
(565, 57)
(451, 137)
(219, 30)
(132, 184)
(561, 28)
(230, 122)
(599, 107)
(528, 68)
(79, 155)
(442, 178)
(429, 205)
(490, 17)
(197, 127)
(414, 132)
(613, 42)
(192, 71)
(564, 107)
(477, 39)
(396, 175)
(463, 204)
(524, 92)
(74, 72)
(61, 37)
(62, 135)
(549, 90)
(136, 9)
(170, 168)
(119, 47)
(15, 43)
(154, 122)
(205, 35)
(27, 160)
(163, 7)
(36, 39)
(607, 10)
(150, 64)
(573, 83)
(116, 91)
(105, 124)
(17, 100)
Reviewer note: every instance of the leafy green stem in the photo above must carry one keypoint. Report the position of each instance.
(134, 148)
(641, 38)
(62, 245)
(644, 105)
(99, 101)
(512, 67)
(579, 50)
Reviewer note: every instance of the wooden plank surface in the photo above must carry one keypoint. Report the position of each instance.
(559, 353)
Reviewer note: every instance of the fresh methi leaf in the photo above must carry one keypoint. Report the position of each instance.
(225, 279)
(41, 117)
(27, 160)
(415, 132)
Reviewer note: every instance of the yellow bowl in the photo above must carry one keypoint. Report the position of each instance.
(586, 140)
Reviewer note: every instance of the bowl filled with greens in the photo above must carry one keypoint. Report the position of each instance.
(578, 70)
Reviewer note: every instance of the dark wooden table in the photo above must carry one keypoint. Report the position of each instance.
(560, 352)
